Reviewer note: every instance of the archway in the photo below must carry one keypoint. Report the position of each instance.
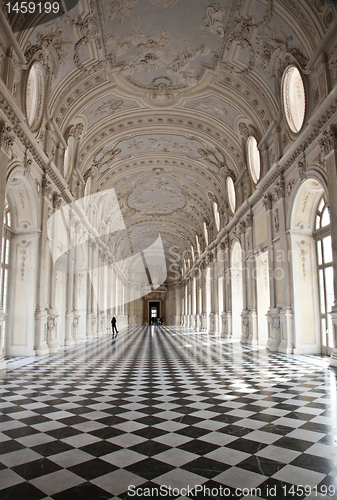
(237, 290)
(307, 309)
(20, 322)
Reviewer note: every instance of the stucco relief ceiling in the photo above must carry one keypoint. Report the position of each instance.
(173, 84)
(157, 195)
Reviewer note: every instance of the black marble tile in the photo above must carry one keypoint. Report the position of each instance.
(51, 448)
(84, 491)
(149, 468)
(198, 447)
(37, 468)
(293, 444)
(149, 448)
(22, 491)
(246, 445)
(205, 467)
(92, 469)
(318, 464)
(261, 465)
(149, 432)
(100, 448)
(20, 432)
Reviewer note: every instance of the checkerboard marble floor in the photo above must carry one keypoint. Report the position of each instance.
(166, 407)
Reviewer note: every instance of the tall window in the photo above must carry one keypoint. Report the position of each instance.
(325, 273)
(5, 263)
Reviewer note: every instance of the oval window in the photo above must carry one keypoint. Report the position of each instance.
(231, 194)
(216, 215)
(293, 96)
(205, 233)
(253, 155)
(35, 94)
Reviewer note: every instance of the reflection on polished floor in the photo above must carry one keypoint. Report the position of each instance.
(165, 406)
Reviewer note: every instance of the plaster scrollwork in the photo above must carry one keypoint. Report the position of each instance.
(267, 202)
(76, 320)
(6, 137)
(109, 107)
(245, 130)
(274, 320)
(290, 186)
(279, 191)
(214, 20)
(161, 94)
(120, 9)
(277, 220)
(76, 131)
(250, 219)
(329, 141)
(27, 166)
(23, 263)
(216, 160)
(51, 323)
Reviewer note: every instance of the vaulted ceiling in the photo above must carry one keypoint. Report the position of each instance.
(167, 91)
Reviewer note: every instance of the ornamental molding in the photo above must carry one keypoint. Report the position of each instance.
(329, 141)
(6, 137)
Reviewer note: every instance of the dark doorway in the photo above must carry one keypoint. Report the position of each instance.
(154, 311)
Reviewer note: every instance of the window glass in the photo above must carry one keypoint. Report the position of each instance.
(231, 194)
(325, 221)
(253, 155)
(327, 250)
(35, 94)
(216, 215)
(293, 98)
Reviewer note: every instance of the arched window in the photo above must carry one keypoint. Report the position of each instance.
(253, 156)
(7, 234)
(206, 233)
(325, 273)
(216, 215)
(293, 98)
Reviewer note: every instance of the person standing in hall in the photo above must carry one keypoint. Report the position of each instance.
(113, 326)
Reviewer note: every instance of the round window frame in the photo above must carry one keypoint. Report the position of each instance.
(252, 173)
(35, 123)
(286, 107)
(231, 202)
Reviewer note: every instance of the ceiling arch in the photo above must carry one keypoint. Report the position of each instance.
(164, 93)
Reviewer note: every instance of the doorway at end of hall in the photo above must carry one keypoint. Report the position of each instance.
(154, 311)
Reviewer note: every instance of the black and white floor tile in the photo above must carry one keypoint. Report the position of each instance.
(166, 407)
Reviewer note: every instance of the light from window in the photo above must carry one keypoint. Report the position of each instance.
(216, 215)
(35, 95)
(231, 194)
(293, 98)
(253, 155)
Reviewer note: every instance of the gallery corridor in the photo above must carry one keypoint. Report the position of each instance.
(163, 406)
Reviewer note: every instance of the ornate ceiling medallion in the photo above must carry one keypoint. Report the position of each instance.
(293, 98)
